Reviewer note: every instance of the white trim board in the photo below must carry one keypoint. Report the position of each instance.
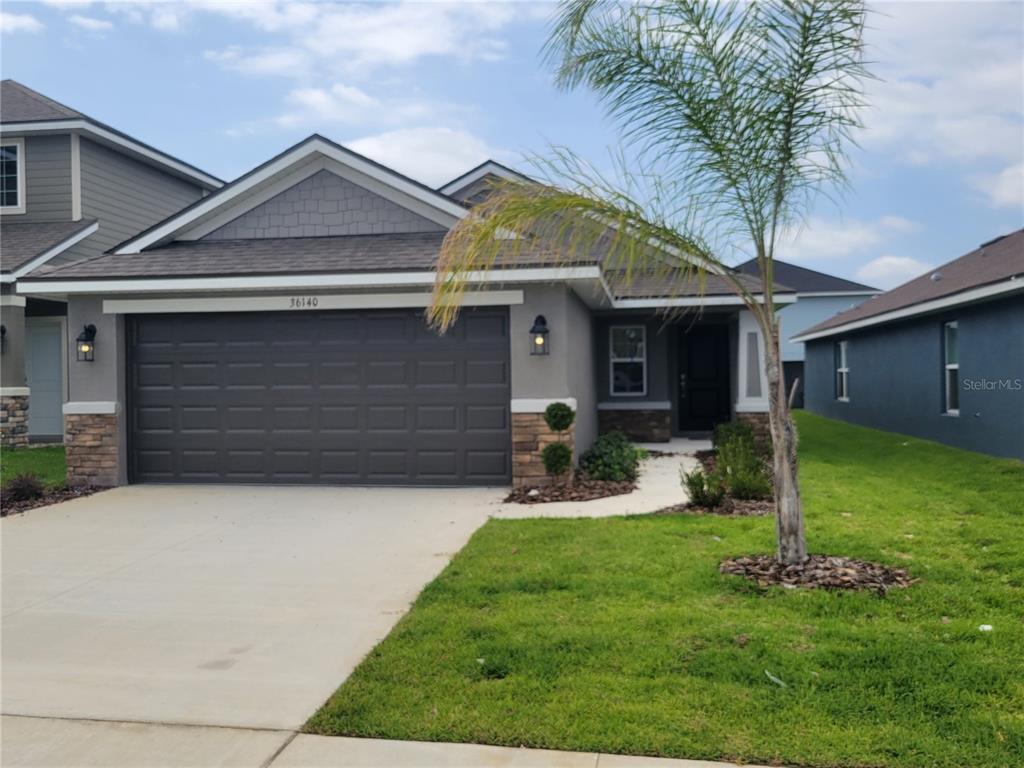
(19, 209)
(8, 300)
(91, 407)
(124, 142)
(290, 158)
(15, 392)
(995, 290)
(45, 256)
(491, 167)
(302, 282)
(76, 177)
(696, 301)
(538, 404)
(311, 302)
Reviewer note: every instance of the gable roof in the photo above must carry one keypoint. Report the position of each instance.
(290, 159)
(993, 269)
(27, 246)
(804, 280)
(26, 111)
(475, 174)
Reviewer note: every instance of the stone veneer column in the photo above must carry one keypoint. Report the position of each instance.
(13, 420)
(530, 433)
(642, 425)
(91, 445)
(759, 424)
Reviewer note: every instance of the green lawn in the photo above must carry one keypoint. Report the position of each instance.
(46, 462)
(619, 635)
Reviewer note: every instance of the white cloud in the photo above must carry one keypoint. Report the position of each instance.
(287, 62)
(899, 224)
(822, 240)
(430, 155)
(339, 104)
(89, 23)
(888, 271)
(165, 17)
(1004, 189)
(19, 22)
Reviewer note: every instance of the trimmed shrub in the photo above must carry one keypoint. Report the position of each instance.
(557, 458)
(705, 490)
(742, 466)
(23, 488)
(727, 431)
(611, 457)
(559, 417)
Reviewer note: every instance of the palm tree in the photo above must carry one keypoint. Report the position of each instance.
(737, 116)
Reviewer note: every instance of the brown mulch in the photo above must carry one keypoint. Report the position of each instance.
(819, 572)
(707, 460)
(579, 489)
(51, 496)
(728, 508)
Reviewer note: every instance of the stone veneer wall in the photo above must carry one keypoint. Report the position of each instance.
(653, 426)
(91, 445)
(759, 424)
(13, 420)
(530, 433)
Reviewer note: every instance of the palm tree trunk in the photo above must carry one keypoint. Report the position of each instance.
(789, 514)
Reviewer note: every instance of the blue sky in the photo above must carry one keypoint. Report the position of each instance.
(432, 89)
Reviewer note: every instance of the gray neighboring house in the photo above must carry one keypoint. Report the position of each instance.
(819, 296)
(72, 187)
(940, 357)
(273, 332)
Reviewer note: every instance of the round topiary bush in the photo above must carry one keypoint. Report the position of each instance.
(557, 458)
(559, 417)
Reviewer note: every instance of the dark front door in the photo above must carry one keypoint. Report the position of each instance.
(368, 398)
(703, 377)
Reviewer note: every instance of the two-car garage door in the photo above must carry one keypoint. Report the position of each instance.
(330, 397)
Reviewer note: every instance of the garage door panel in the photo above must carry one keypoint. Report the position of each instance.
(320, 397)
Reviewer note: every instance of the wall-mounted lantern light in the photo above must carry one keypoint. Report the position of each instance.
(87, 344)
(3, 339)
(539, 336)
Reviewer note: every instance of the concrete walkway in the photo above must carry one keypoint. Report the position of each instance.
(30, 742)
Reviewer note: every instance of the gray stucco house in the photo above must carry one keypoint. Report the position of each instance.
(272, 332)
(940, 357)
(72, 187)
(819, 297)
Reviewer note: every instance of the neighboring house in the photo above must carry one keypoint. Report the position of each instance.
(70, 188)
(818, 297)
(939, 357)
(273, 332)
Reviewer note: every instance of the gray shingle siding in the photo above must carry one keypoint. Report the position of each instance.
(47, 179)
(896, 378)
(126, 196)
(322, 205)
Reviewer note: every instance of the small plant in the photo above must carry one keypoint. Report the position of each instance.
(705, 490)
(23, 488)
(741, 465)
(557, 458)
(727, 431)
(611, 457)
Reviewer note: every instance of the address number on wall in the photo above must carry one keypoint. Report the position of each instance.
(304, 302)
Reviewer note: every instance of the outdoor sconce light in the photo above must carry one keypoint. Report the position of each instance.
(539, 336)
(87, 344)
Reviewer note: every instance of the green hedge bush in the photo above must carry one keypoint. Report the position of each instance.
(612, 457)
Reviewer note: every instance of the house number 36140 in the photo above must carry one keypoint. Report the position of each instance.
(304, 302)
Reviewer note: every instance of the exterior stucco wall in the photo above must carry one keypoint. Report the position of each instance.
(581, 372)
(808, 311)
(321, 205)
(896, 378)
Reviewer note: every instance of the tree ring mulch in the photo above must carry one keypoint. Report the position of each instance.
(819, 572)
(51, 496)
(580, 489)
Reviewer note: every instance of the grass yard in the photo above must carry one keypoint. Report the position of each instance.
(46, 462)
(619, 635)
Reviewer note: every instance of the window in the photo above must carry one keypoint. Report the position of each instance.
(12, 176)
(842, 371)
(951, 366)
(628, 353)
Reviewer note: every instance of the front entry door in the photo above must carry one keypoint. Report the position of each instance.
(703, 377)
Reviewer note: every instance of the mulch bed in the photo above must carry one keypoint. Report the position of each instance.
(579, 489)
(728, 508)
(819, 572)
(51, 496)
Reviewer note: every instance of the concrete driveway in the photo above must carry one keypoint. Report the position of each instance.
(225, 606)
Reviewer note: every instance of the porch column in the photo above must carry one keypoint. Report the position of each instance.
(751, 403)
(14, 394)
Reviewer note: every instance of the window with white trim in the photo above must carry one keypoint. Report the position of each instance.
(627, 351)
(951, 368)
(12, 176)
(842, 371)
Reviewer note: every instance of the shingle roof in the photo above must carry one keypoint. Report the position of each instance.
(803, 280)
(19, 104)
(20, 243)
(997, 260)
(659, 284)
